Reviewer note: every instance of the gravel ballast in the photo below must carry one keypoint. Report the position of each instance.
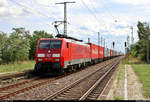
(50, 88)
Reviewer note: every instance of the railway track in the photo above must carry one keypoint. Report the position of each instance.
(9, 78)
(96, 90)
(14, 89)
(88, 87)
(104, 92)
(17, 88)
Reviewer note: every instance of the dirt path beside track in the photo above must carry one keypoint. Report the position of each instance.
(126, 87)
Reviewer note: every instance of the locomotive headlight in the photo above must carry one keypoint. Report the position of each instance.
(41, 55)
(56, 55)
(56, 59)
(40, 59)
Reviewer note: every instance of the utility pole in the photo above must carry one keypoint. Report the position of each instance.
(132, 39)
(104, 43)
(98, 44)
(88, 40)
(98, 38)
(101, 41)
(128, 42)
(65, 15)
(128, 47)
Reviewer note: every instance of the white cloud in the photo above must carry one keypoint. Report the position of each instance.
(39, 14)
(3, 3)
(4, 11)
(77, 4)
(3, 8)
(133, 2)
(7, 10)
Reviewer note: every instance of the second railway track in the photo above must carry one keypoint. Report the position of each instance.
(88, 87)
(14, 77)
(11, 90)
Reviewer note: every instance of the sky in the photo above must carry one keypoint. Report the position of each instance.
(111, 18)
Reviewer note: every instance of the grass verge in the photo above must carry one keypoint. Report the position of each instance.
(142, 70)
(17, 67)
(118, 98)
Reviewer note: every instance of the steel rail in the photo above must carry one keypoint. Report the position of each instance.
(12, 75)
(97, 83)
(74, 83)
(27, 88)
(17, 84)
(107, 85)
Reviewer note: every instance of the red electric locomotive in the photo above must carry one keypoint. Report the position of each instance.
(66, 53)
(60, 54)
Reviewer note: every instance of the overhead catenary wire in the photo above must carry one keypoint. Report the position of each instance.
(93, 6)
(41, 14)
(107, 9)
(27, 8)
(94, 13)
(116, 20)
(105, 6)
(30, 9)
(91, 11)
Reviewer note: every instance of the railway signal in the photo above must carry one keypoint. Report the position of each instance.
(113, 44)
(125, 44)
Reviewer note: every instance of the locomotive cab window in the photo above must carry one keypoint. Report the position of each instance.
(55, 44)
(44, 44)
(50, 44)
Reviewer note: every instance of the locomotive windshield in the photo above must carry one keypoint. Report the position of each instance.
(50, 44)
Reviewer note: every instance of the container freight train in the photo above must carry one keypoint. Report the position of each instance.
(66, 53)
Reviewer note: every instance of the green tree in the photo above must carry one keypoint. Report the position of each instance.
(18, 46)
(141, 30)
(3, 44)
(34, 41)
(139, 48)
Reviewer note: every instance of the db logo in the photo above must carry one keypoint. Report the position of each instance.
(48, 55)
